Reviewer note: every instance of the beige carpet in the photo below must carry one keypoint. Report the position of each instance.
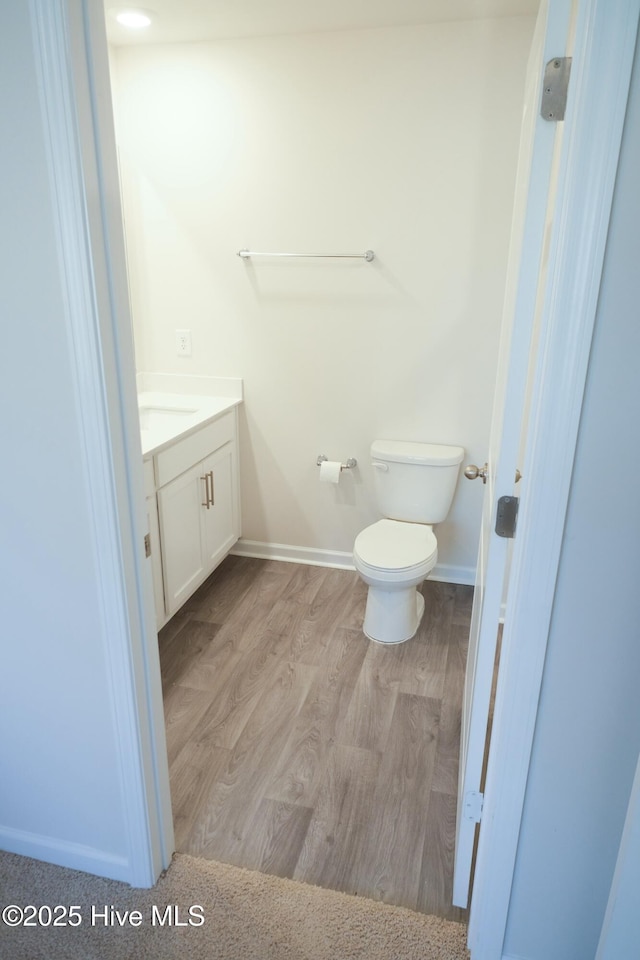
(247, 916)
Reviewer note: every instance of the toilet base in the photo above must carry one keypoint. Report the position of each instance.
(392, 616)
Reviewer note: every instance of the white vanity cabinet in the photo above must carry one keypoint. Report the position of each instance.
(198, 516)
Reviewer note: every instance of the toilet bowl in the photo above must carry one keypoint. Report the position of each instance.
(414, 484)
(393, 558)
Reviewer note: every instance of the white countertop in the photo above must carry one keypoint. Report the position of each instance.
(167, 417)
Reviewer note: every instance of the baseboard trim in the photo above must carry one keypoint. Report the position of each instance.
(445, 573)
(64, 853)
(292, 554)
(450, 573)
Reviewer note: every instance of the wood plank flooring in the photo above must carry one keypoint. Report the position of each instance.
(300, 748)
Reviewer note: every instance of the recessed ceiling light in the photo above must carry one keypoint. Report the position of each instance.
(134, 19)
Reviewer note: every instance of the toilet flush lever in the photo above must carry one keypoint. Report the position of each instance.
(472, 472)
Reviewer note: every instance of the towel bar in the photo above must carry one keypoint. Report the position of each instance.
(368, 255)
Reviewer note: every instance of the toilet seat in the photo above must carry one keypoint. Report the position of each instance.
(395, 550)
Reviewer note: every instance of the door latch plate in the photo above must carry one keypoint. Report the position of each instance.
(506, 516)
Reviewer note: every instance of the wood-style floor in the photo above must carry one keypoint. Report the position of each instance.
(300, 748)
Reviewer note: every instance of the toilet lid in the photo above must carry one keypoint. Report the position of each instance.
(396, 545)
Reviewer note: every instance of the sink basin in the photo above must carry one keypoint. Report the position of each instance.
(166, 417)
(152, 418)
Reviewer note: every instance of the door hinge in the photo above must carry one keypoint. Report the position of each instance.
(147, 545)
(555, 86)
(507, 516)
(473, 802)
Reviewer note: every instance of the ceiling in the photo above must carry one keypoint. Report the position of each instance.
(179, 21)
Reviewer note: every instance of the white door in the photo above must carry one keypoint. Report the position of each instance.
(533, 214)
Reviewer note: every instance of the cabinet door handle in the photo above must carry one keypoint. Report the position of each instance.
(205, 502)
(212, 499)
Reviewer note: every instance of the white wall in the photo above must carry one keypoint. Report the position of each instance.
(587, 737)
(403, 140)
(61, 797)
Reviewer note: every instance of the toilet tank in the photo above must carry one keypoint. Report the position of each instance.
(415, 481)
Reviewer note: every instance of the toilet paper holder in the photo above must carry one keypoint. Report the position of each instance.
(351, 462)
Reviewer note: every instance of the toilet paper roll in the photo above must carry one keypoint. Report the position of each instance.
(330, 471)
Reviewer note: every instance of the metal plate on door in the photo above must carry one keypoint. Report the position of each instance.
(555, 88)
(506, 516)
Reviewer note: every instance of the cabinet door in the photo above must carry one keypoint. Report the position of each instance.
(221, 519)
(156, 559)
(181, 510)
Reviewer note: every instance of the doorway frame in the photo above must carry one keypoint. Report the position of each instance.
(71, 57)
(69, 38)
(604, 47)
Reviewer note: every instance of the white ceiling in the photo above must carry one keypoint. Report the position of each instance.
(177, 21)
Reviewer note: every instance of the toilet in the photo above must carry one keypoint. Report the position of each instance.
(414, 485)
